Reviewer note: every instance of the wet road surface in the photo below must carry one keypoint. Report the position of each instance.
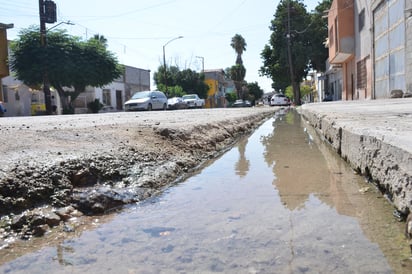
(279, 202)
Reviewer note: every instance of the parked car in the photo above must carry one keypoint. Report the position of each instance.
(193, 101)
(279, 100)
(146, 100)
(242, 103)
(176, 103)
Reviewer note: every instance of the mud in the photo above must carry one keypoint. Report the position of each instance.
(59, 168)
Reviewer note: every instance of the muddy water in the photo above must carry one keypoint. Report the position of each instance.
(279, 202)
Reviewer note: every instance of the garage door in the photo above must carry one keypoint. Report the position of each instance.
(389, 41)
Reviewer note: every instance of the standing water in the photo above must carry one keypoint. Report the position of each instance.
(279, 202)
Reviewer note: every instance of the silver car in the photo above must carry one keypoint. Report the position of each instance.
(146, 100)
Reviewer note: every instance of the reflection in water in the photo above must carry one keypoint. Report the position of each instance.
(60, 254)
(298, 166)
(296, 209)
(242, 165)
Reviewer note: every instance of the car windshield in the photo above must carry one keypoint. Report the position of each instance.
(141, 94)
(189, 97)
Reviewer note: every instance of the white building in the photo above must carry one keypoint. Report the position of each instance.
(20, 100)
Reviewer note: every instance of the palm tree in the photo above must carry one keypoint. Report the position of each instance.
(239, 45)
(238, 72)
(101, 39)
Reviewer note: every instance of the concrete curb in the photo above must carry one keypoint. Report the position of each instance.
(374, 137)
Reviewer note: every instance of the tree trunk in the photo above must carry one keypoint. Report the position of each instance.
(63, 98)
(296, 93)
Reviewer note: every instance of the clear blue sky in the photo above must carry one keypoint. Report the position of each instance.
(137, 30)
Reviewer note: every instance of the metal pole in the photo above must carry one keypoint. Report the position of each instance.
(164, 59)
(43, 39)
(164, 68)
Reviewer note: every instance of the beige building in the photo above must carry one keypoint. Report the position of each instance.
(370, 48)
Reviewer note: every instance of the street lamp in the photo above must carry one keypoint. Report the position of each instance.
(66, 22)
(164, 58)
(203, 62)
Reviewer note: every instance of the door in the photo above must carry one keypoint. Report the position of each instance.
(389, 47)
(119, 100)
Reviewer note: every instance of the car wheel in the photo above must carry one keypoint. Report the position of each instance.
(149, 107)
(164, 106)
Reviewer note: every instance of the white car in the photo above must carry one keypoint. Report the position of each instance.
(279, 100)
(176, 103)
(146, 100)
(193, 101)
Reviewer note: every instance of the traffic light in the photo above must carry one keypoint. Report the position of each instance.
(50, 12)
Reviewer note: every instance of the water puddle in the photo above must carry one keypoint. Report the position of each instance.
(279, 202)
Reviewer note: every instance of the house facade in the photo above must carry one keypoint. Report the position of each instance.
(113, 95)
(216, 95)
(21, 100)
(341, 34)
(370, 48)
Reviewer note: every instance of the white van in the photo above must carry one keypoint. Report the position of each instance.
(146, 100)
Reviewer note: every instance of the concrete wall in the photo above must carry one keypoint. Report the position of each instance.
(363, 50)
(408, 50)
(377, 148)
(135, 79)
(389, 46)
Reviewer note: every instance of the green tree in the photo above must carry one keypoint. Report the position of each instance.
(287, 56)
(174, 91)
(101, 39)
(305, 90)
(255, 92)
(231, 97)
(237, 74)
(71, 64)
(319, 34)
(188, 80)
(238, 43)
(238, 71)
(289, 93)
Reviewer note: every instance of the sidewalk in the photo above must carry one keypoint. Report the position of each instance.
(375, 137)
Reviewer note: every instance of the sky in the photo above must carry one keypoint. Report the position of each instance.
(138, 30)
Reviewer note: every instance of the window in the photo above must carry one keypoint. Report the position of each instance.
(361, 74)
(336, 34)
(107, 97)
(331, 38)
(361, 19)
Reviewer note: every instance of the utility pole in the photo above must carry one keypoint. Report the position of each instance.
(47, 13)
(296, 93)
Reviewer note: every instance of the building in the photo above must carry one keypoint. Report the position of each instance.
(113, 95)
(21, 100)
(389, 40)
(218, 86)
(370, 48)
(341, 49)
